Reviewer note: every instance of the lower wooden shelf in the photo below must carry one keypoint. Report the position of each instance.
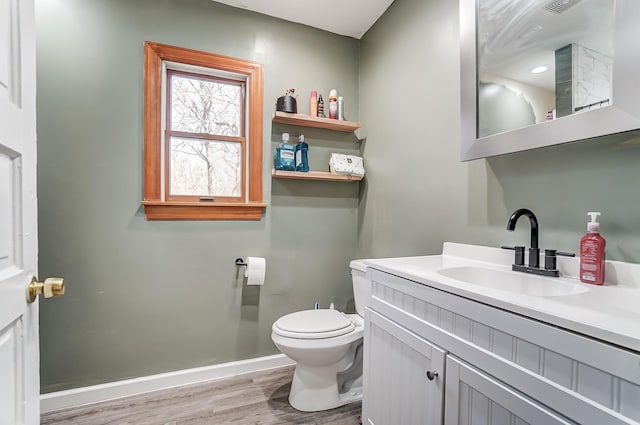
(313, 175)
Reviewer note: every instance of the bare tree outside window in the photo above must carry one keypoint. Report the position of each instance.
(202, 167)
(205, 135)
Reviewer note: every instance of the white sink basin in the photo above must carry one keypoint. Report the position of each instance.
(516, 282)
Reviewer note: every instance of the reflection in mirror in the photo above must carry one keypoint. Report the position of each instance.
(542, 60)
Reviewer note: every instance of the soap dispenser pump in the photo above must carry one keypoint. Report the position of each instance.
(592, 254)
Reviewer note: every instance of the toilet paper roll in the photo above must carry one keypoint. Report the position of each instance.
(255, 271)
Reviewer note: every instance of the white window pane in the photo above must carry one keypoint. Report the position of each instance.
(205, 106)
(205, 167)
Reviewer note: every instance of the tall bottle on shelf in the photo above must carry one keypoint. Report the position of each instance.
(302, 155)
(333, 104)
(321, 107)
(285, 155)
(313, 104)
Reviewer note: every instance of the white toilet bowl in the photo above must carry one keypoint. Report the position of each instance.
(327, 346)
(321, 354)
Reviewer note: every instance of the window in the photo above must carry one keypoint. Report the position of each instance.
(202, 136)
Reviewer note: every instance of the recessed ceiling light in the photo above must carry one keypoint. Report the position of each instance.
(539, 69)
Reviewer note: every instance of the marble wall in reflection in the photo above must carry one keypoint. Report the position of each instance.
(583, 79)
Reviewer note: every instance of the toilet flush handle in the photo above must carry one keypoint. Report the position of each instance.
(431, 375)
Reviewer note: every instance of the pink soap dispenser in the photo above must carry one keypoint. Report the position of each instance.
(592, 253)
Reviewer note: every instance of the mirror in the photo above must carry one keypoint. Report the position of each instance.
(538, 61)
(585, 85)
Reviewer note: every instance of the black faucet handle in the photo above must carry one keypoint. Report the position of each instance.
(550, 258)
(519, 257)
(552, 252)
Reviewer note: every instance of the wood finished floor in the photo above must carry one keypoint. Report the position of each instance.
(256, 398)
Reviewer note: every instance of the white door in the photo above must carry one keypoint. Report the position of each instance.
(19, 357)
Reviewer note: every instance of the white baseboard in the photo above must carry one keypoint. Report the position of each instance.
(95, 393)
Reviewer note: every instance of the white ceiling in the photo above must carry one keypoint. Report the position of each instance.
(351, 17)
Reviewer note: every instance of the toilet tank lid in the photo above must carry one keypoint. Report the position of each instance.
(358, 265)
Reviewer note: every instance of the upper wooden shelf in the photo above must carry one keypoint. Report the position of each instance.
(315, 122)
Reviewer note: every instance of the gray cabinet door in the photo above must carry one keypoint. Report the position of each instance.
(403, 376)
(474, 398)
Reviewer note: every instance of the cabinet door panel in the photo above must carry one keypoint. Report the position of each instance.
(473, 398)
(396, 387)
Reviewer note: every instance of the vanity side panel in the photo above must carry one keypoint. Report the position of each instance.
(528, 355)
(596, 385)
(503, 345)
(558, 368)
(481, 335)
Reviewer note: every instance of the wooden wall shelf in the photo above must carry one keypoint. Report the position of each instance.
(313, 175)
(315, 122)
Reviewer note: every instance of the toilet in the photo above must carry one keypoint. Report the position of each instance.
(327, 346)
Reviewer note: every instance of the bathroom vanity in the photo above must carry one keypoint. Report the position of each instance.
(447, 340)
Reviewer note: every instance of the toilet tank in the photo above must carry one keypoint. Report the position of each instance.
(360, 285)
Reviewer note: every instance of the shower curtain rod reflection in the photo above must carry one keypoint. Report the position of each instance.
(600, 103)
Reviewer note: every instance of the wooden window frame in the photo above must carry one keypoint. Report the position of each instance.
(156, 206)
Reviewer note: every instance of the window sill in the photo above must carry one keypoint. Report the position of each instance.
(158, 210)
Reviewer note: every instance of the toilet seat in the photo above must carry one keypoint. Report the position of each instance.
(313, 324)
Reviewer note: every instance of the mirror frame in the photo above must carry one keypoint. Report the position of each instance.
(622, 115)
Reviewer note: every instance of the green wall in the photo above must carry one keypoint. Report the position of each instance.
(150, 297)
(418, 194)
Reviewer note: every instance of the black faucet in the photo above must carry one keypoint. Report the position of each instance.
(550, 264)
(534, 251)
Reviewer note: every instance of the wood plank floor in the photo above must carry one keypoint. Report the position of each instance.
(256, 398)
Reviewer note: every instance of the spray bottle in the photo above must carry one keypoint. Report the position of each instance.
(333, 104)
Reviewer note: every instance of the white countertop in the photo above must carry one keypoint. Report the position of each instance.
(610, 312)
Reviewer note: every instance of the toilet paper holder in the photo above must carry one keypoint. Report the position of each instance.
(254, 269)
